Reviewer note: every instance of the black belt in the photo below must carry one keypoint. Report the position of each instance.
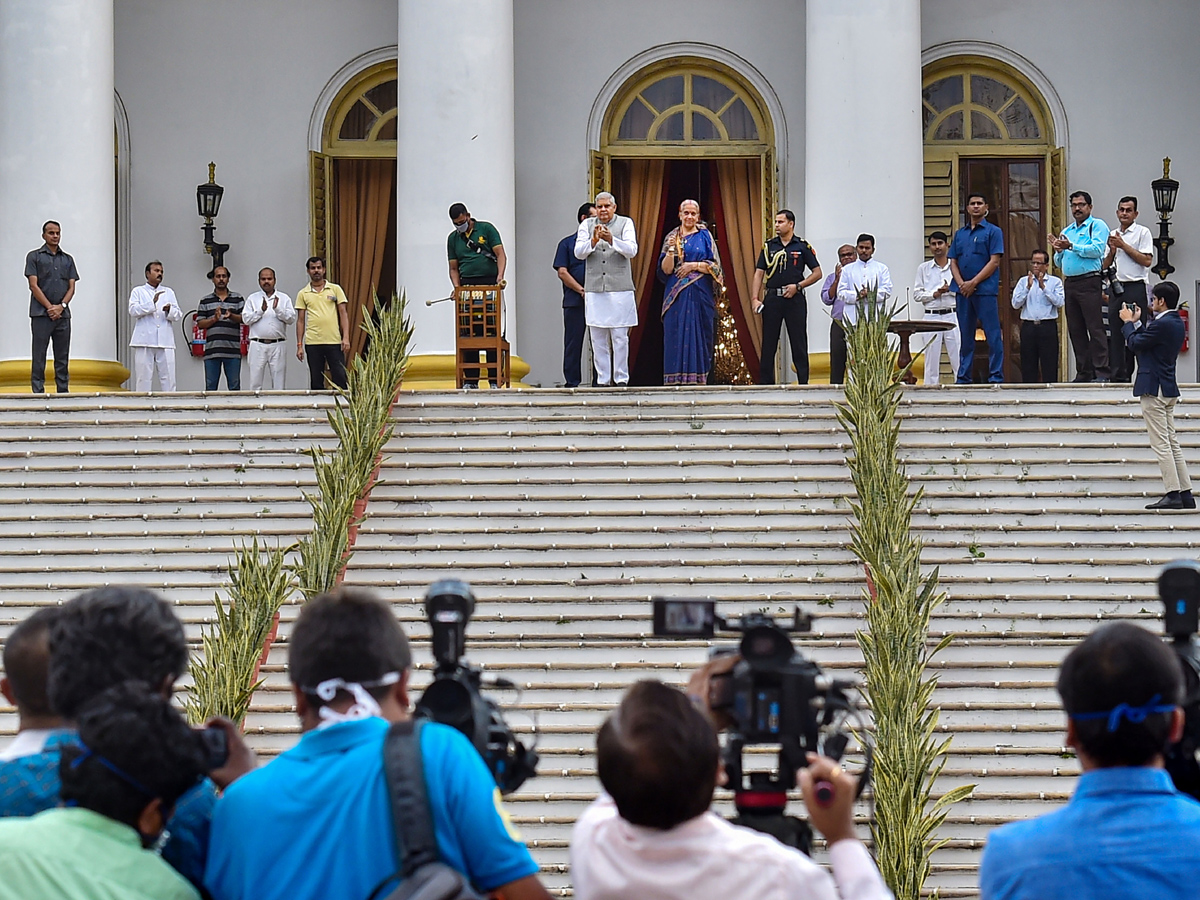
(778, 292)
(940, 312)
(267, 340)
(1080, 277)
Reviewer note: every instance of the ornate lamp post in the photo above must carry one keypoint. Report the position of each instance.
(1165, 189)
(208, 204)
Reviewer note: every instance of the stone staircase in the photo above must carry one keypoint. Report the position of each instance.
(567, 511)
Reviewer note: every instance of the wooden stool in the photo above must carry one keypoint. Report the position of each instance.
(479, 326)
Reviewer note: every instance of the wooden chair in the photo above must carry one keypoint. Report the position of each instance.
(479, 326)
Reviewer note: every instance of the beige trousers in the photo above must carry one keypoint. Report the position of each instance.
(1159, 413)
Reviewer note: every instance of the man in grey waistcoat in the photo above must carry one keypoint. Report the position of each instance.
(608, 242)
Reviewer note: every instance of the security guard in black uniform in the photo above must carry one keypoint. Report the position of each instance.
(781, 263)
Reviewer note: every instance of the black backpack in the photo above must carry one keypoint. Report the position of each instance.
(425, 877)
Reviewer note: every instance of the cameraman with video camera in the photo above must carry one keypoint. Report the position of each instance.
(1127, 831)
(652, 833)
(317, 822)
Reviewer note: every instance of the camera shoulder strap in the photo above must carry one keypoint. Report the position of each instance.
(405, 773)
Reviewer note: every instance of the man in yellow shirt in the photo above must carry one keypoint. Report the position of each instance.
(322, 327)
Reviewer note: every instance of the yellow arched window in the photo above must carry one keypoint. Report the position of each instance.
(966, 104)
(687, 106)
(353, 192)
(362, 120)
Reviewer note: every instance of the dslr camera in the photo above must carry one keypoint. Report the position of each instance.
(1115, 288)
(1179, 590)
(456, 697)
(774, 696)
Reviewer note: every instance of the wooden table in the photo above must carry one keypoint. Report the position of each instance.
(906, 328)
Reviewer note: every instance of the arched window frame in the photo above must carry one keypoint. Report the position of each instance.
(632, 91)
(358, 90)
(965, 67)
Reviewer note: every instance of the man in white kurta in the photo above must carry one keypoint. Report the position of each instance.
(862, 275)
(608, 242)
(268, 312)
(155, 312)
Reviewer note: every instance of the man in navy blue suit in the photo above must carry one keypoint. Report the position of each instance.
(1157, 346)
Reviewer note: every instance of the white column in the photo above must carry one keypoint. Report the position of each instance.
(456, 144)
(57, 142)
(863, 141)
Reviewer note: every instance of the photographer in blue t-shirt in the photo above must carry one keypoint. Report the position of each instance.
(317, 821)
(1127, 831)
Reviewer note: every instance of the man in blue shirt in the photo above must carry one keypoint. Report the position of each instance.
(1127, 832)
(975, 261)
(316, 823)
(570, 272)
(1078, 252)
(101, 638)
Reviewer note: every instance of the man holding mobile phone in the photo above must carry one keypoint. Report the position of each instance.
(1078, 252)
(1129, 249)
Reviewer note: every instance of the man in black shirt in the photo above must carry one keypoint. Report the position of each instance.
(781, 264)
(52, 275)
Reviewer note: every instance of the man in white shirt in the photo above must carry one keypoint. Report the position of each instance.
(934, 288)
(860, 277)
(155, 311)
(268, 312)
(1039, 296)
(652, 834)
(1129, 247)
(608, 242)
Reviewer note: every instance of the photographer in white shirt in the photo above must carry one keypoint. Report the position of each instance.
(934, 288)
(652, 834)
(1129, 250)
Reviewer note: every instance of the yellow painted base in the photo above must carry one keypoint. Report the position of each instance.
(87, 376)
(435, 372)
(818, 368)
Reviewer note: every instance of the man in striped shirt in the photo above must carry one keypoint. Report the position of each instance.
(220, 313)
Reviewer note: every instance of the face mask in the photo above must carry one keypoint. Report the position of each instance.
(364, 706)
(462, 229)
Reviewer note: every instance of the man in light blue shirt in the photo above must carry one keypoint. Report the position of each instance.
(1127, 832)
(1078, 251)
(1039, 297)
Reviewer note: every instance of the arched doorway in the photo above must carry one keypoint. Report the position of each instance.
(988, 129)
(689, 128)
(354, 192)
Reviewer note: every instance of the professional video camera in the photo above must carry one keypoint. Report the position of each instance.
(776, 696)
(1179, 590)
(455, 697)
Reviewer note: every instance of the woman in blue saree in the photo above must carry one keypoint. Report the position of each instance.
(691, 267)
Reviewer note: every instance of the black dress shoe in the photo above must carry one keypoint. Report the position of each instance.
(1172, 500)
(1189, 502)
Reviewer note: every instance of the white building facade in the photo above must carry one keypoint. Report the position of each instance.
(346, 128)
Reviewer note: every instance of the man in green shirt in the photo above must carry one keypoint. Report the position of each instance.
(476, 257)
(136, 756)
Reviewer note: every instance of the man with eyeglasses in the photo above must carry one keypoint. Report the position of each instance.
(837, 334)
(1078, 252)
(1039, 297)
(1129, 249)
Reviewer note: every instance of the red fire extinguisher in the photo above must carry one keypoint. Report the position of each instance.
(197, 339)
(1183, 314)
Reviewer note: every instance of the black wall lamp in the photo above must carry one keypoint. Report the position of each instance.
(1165, 189)
(208, 204)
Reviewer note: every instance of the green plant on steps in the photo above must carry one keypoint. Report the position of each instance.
(344, 475)
(225, 676)
(900, 602)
